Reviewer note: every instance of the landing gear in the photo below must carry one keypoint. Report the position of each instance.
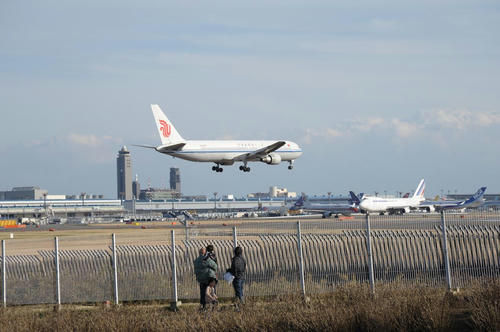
(245, 168)
(217, 168)
(291, 165)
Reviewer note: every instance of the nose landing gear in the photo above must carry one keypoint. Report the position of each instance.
(291, 164)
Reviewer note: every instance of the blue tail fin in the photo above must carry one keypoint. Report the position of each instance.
(477, 196)
(354, 198)
(299, 203)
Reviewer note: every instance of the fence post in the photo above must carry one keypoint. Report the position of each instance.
(4, 276)
(115, 268)
(58, 276)
(186, 226)
(370, 254)
(445, 251)
(235, 237)
(301, 260)
(175, 303)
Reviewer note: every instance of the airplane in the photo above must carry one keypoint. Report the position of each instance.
(221, 152)
(474, 201)
(393, 205)
(326, 209)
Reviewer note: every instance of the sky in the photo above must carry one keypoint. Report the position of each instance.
(378, 94)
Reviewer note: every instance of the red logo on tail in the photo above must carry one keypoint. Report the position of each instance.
(165, 128)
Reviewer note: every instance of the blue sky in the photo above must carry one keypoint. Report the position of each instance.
(378, 93)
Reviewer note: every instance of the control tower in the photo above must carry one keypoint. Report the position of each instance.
(124, 174)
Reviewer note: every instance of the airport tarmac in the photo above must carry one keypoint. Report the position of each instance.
(98, 236)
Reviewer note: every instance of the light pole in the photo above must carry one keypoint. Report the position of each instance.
(215, 201)
(45, 204)
(329, 194)
(82, 195)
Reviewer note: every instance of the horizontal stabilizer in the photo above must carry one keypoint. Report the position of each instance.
(145, 146)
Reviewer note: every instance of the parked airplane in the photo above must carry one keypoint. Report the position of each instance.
(326, 209)
(474, 201)
(394, 205)
(221, 152)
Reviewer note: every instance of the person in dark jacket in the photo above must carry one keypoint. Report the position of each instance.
(204, 270)
(238, 270)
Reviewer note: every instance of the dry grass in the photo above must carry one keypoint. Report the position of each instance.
(394, 308)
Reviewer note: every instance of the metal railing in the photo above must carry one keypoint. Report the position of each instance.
(282, 257)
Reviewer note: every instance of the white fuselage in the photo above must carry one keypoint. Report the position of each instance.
(224, 152)
(379, 204)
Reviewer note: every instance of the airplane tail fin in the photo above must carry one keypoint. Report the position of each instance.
(299, 203)
(420, 190)
(477, 196)
(167, 131)
(354, 198)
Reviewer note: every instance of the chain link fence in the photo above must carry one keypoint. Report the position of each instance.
(283, 257)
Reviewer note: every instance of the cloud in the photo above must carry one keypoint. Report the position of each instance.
(90, 140)
(404, 129)
(87, 140)
(430, 123)
(366, 124)
(459, 119)
(331, 133)
(323, 134)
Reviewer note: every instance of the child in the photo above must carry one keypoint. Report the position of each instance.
(210, 295)
(210, 253)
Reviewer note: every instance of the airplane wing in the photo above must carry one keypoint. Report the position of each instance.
(260, 152)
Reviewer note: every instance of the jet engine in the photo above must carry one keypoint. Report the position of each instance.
(272, 159)
(430, 208)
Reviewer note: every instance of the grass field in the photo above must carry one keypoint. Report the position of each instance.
(347, 308)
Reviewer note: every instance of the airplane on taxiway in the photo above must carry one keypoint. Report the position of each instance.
(326, 209)
(221, 152)
(474, 201)
(370, 204)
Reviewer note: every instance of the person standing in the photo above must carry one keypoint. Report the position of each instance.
(211, 261)
(238, 270)
(204, 269)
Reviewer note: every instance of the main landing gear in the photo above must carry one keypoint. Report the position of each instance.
(245, 168)
(217, 168)
(291, 164)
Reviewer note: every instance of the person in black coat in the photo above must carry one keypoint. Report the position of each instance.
(238, 270)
